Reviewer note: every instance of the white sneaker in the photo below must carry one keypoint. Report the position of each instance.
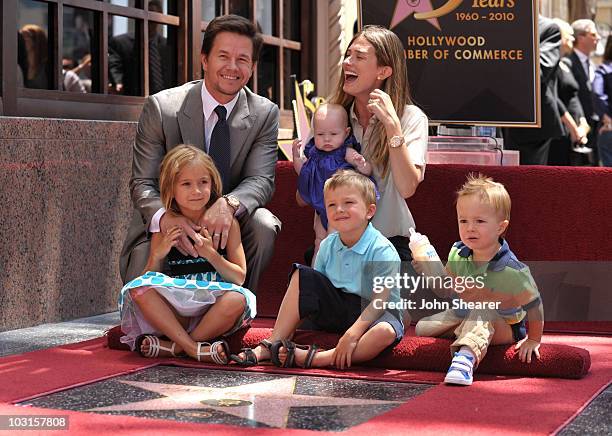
(461, 371)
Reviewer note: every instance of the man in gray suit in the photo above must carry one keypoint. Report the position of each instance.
(189, 114)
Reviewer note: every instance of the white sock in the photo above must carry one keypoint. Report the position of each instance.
(467, 352)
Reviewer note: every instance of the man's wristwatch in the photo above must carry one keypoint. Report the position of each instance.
(232, 202)
(396, 141)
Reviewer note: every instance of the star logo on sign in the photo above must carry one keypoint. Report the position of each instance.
(266, 402)
(405, 8)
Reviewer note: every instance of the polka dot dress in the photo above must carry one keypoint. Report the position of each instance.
(190, 295)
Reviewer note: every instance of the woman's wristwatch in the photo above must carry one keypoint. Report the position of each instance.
(396, 141)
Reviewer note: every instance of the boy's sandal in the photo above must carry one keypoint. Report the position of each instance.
(212, 352)
(312, 350)
(250, 358)
(154, 346)
(274, 350)
(290, 359)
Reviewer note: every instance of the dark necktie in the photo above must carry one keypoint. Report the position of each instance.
(219, 147)
(588, 69)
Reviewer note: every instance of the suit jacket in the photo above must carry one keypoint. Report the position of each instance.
(585, 90)
(568, 91)
(175, 116)
(124, 68)
(550, 45)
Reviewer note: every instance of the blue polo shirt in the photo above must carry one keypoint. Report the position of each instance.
(504, 273)
(354, 269)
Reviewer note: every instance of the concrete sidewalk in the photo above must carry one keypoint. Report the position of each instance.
(52, 335)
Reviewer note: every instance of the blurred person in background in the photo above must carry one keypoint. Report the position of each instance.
(124, 69)
(583, 69)
(534, 144)
(572, 116)
(36, 48)
(602, 89)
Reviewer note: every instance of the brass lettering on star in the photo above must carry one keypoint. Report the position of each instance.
(226, 402)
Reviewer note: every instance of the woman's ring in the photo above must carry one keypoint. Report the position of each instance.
(370, 101)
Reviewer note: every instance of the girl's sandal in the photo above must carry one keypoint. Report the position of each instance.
(250, 358)
(212, 352)
(154, 346)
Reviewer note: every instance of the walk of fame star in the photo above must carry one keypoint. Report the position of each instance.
(405, 8)
(267, 402)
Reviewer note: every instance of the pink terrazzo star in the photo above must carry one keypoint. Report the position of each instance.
(404, 8)
(266, 402)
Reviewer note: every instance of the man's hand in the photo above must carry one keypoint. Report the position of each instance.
(217, 221)
(169, 220)
(344, 350)
(526, 347)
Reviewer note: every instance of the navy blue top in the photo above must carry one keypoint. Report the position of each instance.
(319, 167)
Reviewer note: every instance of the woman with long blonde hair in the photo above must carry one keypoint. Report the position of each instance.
(393, 132)
(36, 45)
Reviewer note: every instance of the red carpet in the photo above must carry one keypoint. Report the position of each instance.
(562, 232)
(511, 405)
(430, 354)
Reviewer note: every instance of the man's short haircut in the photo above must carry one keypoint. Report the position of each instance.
(492, 193)
(352, 179)
(583, 26)
(232, 24)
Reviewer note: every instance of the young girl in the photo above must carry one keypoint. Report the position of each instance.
(200, 298)
(331, 149)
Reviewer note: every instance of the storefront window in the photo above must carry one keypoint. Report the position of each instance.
(80, 58)
(291, 19)
(267, 17)
(124, 60)
(34, 48)
(292, 66)
(210, 9)
(267, 73)
(89, 56)
(163, 61)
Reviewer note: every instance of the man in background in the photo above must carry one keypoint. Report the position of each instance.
(583, 69)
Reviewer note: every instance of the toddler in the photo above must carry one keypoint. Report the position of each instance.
(483, 213)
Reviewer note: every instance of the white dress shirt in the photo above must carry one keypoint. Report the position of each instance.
(590, 70)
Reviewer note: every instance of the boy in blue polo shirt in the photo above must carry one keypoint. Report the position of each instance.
(505, 294)
(340, 294)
